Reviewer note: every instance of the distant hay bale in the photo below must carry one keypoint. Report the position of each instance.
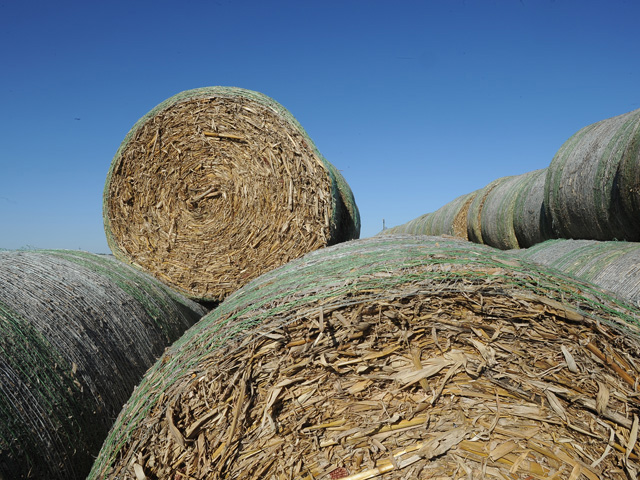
(474, 215)
(512, 211)
(497, 213)
(592, 185)
(530, 222)
(450, 219)
(392, 357)
(77, 333)
(613, 266)
(218, 185)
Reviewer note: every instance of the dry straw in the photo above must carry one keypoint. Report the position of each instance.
(613, 266)
(593, 182)
(218, 185)
(77, 333)
(392, 357)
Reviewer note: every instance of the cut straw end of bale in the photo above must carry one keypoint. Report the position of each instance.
(397, 356)
(218, 185)
(77, 333)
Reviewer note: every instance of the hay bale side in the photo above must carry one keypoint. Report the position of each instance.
(583, 198)
(497, 213)
(530, 222)
(450, 219)
(613, 266)
(77, 333)
(392, 357)
(474, 215)
(512, 210)
(218, 185)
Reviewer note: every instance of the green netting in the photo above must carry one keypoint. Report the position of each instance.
(373, 270)
(78, 331)
(530, 222)
(613, 266)
(474, 215)
(451, 219)
(591, 182)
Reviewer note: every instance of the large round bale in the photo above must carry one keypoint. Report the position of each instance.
(474, 213)
(450, 219)
(392, 357)
(592, 182)
(530, 222)
(77, 333)
(512, 210)
(613, 266)
(218, 185)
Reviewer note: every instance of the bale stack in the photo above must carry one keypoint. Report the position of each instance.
(392, 357)
(77, 333)
(591, 190)
(218, 185)
(451, 219)
(612, 266)
(593, 182)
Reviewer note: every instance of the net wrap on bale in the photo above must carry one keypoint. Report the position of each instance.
(392, 357)
(78, 331)
(613, 266)
(593, 181)
(218, 185)
(450, 219)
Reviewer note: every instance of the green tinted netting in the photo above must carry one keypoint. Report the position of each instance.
(393, 357)
(613, 266)
(592, 184)
(78, 332)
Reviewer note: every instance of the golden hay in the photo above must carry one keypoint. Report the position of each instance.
(218, 185)
(393, 357)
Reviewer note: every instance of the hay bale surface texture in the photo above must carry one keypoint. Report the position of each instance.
(530, 222)
(77, 333)
(593, 183)
(392, 357)
(450, 219)
(613, 266)
(218, 185)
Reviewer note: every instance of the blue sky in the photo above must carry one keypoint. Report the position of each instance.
(416, 102)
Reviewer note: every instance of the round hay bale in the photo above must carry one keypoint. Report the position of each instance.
(450, 219)
(77, 333)
(530, 222)
(497, 213)
(474, 215)
(218, 185)
(592, 182)
(512, 210)
(392, 357)
(613, 266)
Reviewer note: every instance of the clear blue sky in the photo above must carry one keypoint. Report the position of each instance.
(416, 102)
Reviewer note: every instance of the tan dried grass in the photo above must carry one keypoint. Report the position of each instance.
(213, 188)
(473, 366)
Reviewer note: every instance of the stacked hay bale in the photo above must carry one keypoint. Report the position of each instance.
(591, 190)
(392, 357)
(511, 214)
(593, 182)
(530, 221)
(218, 185)
(451, 219)
(77, 333)
(613, 266)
